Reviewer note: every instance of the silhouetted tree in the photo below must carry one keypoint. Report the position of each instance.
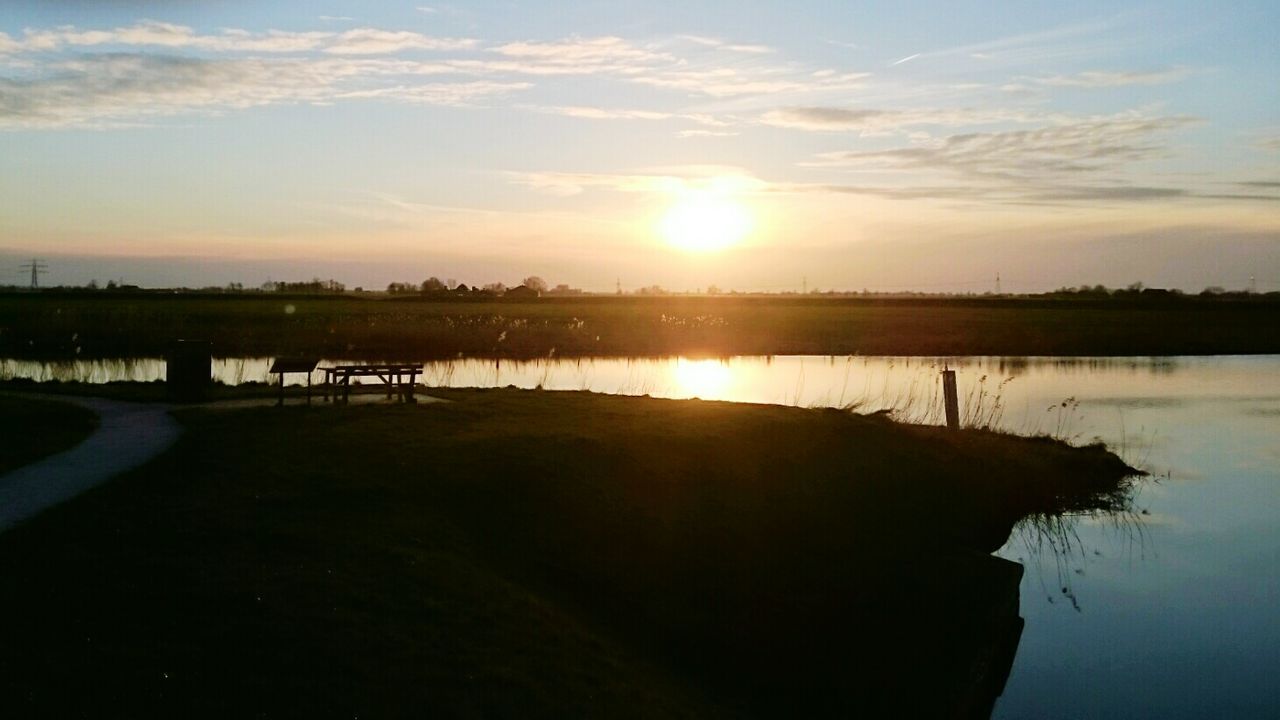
(533, 282)
(432, 285)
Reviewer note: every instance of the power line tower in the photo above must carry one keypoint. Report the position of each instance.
(804, 285)
(618, 283)
(1253, 285)
(998, 284)
(37, 268)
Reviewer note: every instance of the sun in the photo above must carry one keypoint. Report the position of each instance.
(705, 221)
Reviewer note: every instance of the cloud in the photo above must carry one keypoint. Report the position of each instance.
(1120, 78)
(705, 133)
(368, 41)
(459, 93)
(589, 112)
(670, 180)
(719, 44)
(656, 66)
(112, 89)
(599, 52)
(1073, 161)
(150, 33)
(1270, 143)
(876, 122)
(1079, 147)
(596, 113)
(732, 81)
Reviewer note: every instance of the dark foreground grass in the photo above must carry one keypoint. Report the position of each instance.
(33, 429)
(530, 554)
(122, 326)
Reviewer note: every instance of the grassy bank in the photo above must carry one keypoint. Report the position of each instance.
(530, 554)
(80, 325)
(33, 429)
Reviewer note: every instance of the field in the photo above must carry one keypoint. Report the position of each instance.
(104, 325)
(497, 556)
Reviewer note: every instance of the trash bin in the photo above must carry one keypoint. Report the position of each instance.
(189, 369)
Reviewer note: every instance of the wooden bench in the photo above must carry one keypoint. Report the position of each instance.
(282, 366)
(393, 375)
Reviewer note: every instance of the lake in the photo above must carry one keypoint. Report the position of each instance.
(1172, 610)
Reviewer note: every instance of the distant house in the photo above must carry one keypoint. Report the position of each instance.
(522, 291)
(462, 289)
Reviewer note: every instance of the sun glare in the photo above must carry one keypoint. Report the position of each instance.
(705, 222)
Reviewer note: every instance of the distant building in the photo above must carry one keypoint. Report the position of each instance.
(462, 289)
(522, 291)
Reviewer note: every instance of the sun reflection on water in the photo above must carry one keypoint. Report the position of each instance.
(706, 379)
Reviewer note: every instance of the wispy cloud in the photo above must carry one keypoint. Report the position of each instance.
(1114, 78)
(113, 89)
(1083, 146)
(730, 82)
(608, 52)
(868, 121)
(1072, 161)
(150, 33)
(705, 133)
(718, 178)
(456, 93)
(590, 112)
(236, 68)
(720, 44)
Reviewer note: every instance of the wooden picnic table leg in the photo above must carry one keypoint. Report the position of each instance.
(280, 400)
(413, 381)
(308, 389)
(346, 389)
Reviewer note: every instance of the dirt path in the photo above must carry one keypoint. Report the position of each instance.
(128, 435)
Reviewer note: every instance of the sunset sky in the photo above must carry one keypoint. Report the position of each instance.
(751, 145)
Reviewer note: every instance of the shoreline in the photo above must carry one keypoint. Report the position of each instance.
(617, 555)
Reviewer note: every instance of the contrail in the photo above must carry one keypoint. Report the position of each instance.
(908, 58)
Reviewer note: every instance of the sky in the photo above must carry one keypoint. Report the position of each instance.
(750, 145)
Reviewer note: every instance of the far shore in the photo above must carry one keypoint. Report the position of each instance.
(71, 325)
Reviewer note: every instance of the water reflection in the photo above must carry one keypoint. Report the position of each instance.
(706, 379)
(1012, 393)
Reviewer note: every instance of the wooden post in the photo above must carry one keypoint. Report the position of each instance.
(280, 400)
(951, 399)
(308, 389)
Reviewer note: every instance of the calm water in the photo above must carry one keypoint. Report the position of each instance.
(1172, 611)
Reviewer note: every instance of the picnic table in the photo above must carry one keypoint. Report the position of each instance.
(395, 375)
(283, 366)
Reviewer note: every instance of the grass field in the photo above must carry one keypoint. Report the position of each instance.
(532, 554)
(73, 325)
(33, 429)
